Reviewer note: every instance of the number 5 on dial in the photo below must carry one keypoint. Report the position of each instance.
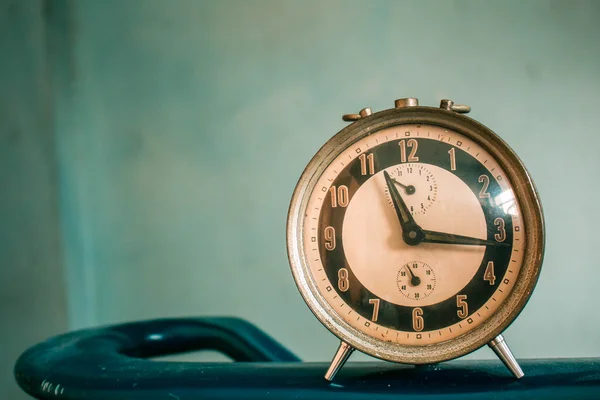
(463, 307)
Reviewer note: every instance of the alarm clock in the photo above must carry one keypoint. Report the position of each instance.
(416, 235)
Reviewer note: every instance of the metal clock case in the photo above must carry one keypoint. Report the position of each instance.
(416, 191)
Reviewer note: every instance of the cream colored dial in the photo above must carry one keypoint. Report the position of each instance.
(457, 210)
(473, 236)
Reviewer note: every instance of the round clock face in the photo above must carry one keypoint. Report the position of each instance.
(413, 235)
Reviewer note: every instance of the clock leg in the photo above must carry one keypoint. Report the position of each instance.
(340, 358)
(498, 344)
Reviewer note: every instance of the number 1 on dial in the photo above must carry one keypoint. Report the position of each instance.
(452, 153)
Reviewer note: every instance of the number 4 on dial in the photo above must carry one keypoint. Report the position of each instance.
(489, 273)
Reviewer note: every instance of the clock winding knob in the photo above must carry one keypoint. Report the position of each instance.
(407, 102)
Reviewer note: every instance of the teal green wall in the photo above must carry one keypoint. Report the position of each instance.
(186, 125)
(33, 302)
(183, 126)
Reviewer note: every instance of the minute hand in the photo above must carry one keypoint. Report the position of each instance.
(449, 238)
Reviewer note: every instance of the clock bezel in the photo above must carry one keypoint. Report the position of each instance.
(524, 190)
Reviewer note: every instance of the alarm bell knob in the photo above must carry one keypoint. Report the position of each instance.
(458, 108)
(365, 112)
(407, 102)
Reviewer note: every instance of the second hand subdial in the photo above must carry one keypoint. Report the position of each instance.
(412, 286)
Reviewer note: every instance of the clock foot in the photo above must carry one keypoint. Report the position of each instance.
(498, 344)
(340, 358)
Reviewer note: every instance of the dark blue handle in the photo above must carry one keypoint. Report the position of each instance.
(107, 362)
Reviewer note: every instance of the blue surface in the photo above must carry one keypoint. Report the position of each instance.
(106, 363)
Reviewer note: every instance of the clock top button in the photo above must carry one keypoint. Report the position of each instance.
(450, 106)
(407, 102)
(365, 112)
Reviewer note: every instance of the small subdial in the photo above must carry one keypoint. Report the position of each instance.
(416, 280)
(416, 185)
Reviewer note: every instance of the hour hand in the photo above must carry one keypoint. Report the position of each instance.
(449, 238)
(404, 215)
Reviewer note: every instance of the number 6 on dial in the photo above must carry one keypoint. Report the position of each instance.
(417, 317)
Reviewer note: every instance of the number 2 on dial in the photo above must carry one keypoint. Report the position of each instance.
(483, 193)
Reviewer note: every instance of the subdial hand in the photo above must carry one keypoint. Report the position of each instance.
(414, 280)
(410, 189)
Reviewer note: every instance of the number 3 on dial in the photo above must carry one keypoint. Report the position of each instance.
(501, 235)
